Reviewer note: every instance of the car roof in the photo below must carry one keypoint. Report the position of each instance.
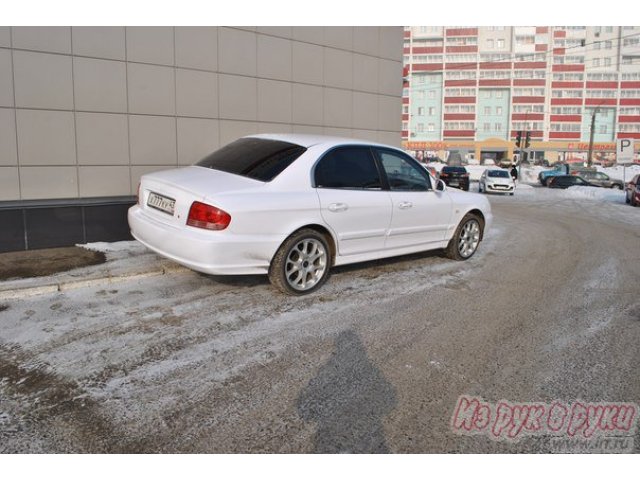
(307, 140)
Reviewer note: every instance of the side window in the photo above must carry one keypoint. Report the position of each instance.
(403, 173)
(348, 167)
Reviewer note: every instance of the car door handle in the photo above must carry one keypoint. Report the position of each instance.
(338, 207)
(405, 205)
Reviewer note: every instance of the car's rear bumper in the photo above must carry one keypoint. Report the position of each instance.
(215, 253)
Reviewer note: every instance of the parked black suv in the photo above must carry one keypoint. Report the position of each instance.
(457, 177)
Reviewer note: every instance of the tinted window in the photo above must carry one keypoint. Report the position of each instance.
(347, 167)
(402, 173)
(498, 173)
(454, 170)
(255, 158)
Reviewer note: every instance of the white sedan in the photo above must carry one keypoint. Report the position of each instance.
(293, 206)
(496, 180)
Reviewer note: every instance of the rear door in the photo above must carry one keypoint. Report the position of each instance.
(421, 214)
(352, 199)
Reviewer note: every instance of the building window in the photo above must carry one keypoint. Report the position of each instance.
(499, 94)
(608, 44)
(608, 29)
(487, 110)
(432, 94)
(432, 111)
(431, 127)
(490, 43)
(487, 94)
(420, 127)
(596, 62)
(486, 127)
(603, 129)
(498, 127)
(498, 110)
(500, 44)
(607, 62)
(420, 111)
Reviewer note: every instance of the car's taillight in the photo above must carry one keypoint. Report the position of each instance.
(208, 217)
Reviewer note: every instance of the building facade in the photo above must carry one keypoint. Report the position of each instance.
(474, 88)
(85, 111)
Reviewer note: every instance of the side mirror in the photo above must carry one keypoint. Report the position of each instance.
(441, 186)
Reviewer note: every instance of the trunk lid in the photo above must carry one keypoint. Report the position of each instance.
(167, 195)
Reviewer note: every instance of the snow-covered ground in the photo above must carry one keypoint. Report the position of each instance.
(144, 352)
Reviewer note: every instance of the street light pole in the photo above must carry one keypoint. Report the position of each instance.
(593, 128)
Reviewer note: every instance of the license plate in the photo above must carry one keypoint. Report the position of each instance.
(454, 184)
(159, 202)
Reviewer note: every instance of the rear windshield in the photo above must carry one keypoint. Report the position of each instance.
(256, 158)
(454, 169)
(498, 173)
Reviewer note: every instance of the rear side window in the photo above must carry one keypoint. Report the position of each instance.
(347, 167)
(256, 158)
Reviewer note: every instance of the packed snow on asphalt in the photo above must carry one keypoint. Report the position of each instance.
(548, 309)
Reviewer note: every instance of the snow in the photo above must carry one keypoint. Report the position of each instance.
(619, 172)
(141, 346)
(125, 246)
(594, 193)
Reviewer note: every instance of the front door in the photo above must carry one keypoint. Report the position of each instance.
(421, 214)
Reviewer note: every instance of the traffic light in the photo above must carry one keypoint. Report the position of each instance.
(519, 138)
(527, 140)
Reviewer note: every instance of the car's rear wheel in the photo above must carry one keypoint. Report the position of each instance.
(466, 238)
(627, 198)
(301, 264)
(615, 186)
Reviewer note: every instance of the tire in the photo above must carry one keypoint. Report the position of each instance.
(470, 227)
(627, 200)
(479, 188)
(511, 194)
(301, 264)
(616, 187)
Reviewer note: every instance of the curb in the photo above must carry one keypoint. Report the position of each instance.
(19, 293)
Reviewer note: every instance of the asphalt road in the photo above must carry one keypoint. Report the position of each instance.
(376, 361)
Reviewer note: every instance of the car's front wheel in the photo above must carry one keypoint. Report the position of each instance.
(616, 186)
(466, 238)
(301, 264)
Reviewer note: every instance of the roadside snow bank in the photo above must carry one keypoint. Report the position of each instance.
(105, 247)
(618, 171)
(594, 193)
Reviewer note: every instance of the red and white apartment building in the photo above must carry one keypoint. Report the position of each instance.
(472, 89)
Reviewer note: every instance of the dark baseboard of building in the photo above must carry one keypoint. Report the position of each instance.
(33, 224)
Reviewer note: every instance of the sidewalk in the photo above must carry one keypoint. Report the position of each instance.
(123, 261)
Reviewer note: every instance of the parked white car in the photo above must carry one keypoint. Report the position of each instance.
(496, 180)
(293, 206)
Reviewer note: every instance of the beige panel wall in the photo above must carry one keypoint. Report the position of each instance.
(84, 111)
